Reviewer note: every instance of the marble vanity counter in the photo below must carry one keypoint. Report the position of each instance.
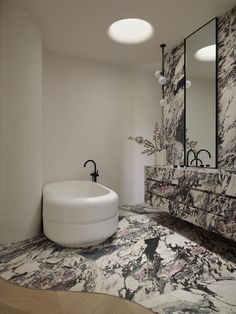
(204, 197)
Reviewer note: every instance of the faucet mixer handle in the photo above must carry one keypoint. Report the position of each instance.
(93, 174)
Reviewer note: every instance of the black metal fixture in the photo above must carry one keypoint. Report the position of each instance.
(196, 158)
(204, 150)
(162, 80)
(163, 67)
(188, 153)
(93, 174)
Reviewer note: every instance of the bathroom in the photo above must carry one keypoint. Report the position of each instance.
(69, 94)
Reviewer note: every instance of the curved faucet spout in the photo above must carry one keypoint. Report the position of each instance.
(90, 160)
(94, 174)
(204, 150)
(189, 151)
(197, 160)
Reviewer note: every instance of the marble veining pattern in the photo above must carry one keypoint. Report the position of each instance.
(174, 93)
(174, 111)
(154, 259)
(206, 198)
(227, 91)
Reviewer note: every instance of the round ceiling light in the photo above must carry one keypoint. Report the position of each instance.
(207, 53)
(130, 31)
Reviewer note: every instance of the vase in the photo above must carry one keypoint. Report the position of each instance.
(160, 158)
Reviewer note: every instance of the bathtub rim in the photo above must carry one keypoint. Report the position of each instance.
(69, 200)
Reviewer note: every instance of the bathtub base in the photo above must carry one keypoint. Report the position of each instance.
(80, 234)
(79, 213)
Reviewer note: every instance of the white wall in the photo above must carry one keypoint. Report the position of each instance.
(89, 109)
(20, 124)
(146, 111)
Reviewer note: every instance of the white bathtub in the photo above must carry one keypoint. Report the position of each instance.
(79, 213)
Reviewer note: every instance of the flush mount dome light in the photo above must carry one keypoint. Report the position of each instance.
(130, 31)
(207, 53)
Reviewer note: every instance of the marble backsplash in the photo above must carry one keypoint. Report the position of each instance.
(206, 198)
(174, 93)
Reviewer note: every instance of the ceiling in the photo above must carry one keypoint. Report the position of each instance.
(79, 27)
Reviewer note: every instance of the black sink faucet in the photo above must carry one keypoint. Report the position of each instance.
(194, 156)
(93, 174)
(197, 160)
(204, 150)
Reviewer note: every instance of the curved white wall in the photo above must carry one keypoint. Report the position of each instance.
(20, 124)
(89, 110)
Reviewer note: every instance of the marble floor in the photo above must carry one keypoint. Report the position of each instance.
(156, 260)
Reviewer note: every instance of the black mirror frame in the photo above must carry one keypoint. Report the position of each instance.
(216, 91)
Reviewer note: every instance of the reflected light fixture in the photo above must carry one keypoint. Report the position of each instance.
(188, 83)
(206, 54)
(157, 74)
(130, 31)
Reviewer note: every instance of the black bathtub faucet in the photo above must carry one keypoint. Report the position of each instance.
(93, 174)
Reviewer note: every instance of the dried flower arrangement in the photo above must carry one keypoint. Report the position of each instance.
(149, 147)
(189, 143)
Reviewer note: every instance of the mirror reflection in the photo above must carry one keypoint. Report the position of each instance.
(200, 97)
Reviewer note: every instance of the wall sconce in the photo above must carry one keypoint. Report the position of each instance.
(163, 102)
(162, 79)
(160, 75)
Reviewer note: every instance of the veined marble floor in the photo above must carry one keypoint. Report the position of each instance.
(154, 259)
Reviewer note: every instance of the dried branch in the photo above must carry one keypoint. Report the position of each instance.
(149, 147)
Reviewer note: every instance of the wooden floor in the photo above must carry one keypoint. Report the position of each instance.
(18, 300)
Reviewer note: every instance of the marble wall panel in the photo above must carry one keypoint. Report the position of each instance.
(227, 91)
(174, 93)
(174, 111)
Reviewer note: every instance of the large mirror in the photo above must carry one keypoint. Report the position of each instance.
(201, 97)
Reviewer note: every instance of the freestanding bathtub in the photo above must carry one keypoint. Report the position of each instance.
(79, 213)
